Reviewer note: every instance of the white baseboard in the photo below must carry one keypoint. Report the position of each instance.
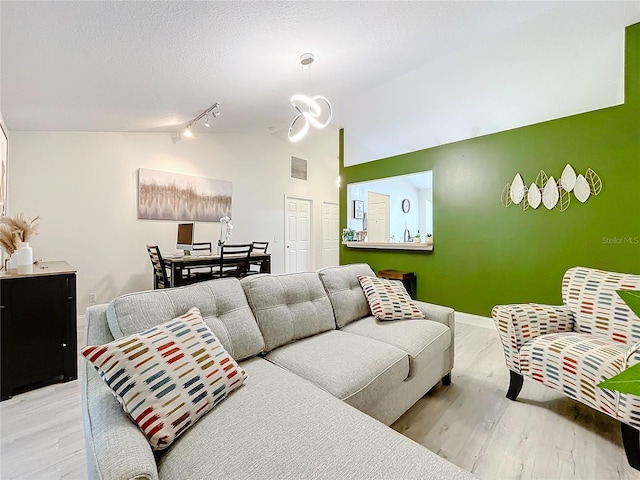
(476, 320)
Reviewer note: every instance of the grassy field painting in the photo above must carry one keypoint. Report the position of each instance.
(171, 196)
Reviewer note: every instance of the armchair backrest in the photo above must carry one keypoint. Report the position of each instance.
(599, 310)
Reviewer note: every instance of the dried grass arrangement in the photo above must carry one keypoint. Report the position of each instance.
(16, 230)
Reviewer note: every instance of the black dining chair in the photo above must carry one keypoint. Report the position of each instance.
(234, 260)
(201, 248)
(161, 277)
(256, 267)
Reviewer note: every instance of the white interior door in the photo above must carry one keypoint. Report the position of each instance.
(378, 217)
(297, 235)
(330, 234)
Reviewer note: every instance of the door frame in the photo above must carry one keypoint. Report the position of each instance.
(311, 260)
(337, 204)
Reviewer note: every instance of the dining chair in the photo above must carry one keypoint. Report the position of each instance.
(234, 260)
(202, 248)
(258, 247)
(161, 278)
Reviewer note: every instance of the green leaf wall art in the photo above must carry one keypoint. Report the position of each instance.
(627, 381)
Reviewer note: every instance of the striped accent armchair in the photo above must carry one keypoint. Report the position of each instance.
(573, 347)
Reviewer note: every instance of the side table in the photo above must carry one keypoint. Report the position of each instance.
(408, 279)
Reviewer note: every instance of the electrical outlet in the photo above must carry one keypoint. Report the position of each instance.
(92, 298)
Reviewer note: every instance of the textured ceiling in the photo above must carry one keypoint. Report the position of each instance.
(400, 75)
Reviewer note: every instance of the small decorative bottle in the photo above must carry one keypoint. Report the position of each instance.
(407, 234)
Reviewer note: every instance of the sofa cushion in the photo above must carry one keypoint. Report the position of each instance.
(344, 290)
(279, 426)
(422, 340)
(574, 363)
(353, 368)
(167, 377)
(222, 303)
(288, 307)
(388, 299)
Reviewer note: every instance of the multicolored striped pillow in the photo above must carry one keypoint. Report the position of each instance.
(388, 300)
(167, 377)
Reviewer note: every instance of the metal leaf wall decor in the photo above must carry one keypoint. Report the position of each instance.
(534, 195)
(595, 184)
(517, 189)
(524, 204)
(550, 194)
(554, 195)
(506, 195)
(541, 179)
(568, 178)
(564, 199)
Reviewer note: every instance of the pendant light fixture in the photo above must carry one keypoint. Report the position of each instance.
(315, 111)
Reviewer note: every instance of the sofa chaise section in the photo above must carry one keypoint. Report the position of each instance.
(279, 426)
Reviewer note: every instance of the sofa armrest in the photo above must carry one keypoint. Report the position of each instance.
(444, 315)
(519, 323)
(115, 447)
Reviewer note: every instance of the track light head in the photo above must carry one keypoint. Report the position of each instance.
(187, 132)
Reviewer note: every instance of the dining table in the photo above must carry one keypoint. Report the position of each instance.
(180, 263)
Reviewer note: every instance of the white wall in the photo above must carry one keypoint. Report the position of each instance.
(425, 211)
(84, 187)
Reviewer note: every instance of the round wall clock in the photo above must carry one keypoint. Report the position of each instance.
(406, 205)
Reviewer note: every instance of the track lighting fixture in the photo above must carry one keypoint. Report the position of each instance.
(213, 110)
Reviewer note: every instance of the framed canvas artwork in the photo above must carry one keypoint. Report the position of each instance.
(171, 196)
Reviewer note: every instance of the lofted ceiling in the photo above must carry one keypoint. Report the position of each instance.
(401, 75)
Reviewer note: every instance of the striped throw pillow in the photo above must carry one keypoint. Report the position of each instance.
(388, 300)
(167, 377)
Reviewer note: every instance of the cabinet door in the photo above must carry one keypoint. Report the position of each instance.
(33, 330)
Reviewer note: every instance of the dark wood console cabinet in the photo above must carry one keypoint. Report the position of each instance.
(38, 337)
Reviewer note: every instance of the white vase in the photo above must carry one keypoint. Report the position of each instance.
(25, 258)
(13, 261)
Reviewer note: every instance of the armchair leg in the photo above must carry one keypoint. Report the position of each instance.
(515, 385)
(446, 380)
(631, 442)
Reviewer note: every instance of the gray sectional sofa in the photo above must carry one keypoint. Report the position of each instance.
(324, 380)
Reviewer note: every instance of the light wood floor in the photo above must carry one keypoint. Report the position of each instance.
(543, 435)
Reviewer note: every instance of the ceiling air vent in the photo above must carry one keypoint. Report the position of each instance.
(298, 168)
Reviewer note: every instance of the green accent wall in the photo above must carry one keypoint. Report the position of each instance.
(485, 254)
